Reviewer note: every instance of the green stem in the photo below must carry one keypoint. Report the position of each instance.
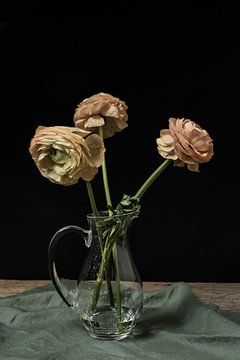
(94, 208)
(114, 249)
(95, 212)
(110, 242)
(91, 198)
(99, 280)
(118, 284)
(105, 179)
(152, 178)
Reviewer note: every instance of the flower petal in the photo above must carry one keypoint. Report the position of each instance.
(101, 109)
(94, 121)
(97, 149)
(63, 156)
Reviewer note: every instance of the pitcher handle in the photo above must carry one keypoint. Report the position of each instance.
(86, 235)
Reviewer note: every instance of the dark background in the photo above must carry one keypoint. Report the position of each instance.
(181, 59)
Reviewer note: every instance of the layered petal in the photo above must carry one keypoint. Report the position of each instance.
(101, 110)
(63, 156)
(185, 142)
(165, 145)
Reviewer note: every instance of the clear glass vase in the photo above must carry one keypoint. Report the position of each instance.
(108, 294)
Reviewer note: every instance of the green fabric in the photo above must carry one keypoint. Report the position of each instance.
(174, 325)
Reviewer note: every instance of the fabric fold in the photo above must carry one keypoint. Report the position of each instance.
(174, 326)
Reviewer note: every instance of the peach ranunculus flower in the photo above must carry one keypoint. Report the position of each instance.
(63, 156)
(185, 142)
(101, 110)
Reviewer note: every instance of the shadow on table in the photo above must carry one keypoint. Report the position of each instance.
(176, 310)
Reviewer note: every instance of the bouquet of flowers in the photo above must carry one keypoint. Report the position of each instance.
(64, 155)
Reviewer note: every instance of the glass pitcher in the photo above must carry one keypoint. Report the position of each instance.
(108, 294)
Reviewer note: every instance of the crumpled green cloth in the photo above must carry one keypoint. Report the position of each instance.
(174, 326)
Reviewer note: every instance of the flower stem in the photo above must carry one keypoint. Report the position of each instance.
(95, 212)
(152, 178)
(118, 284)
(105, 179)
(99, 280)
(91, 198)
(114, 249)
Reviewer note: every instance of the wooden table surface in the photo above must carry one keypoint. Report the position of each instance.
(225, 295)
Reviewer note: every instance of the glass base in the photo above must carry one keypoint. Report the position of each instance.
(104, 323)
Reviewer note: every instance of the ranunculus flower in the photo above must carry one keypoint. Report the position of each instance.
(101, 110)
(186, 143)
(63, 156)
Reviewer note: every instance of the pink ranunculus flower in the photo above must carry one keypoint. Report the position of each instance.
(101, 110)
(63, 156)
(185, 142)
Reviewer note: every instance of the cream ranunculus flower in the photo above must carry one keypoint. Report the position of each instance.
(63, 156)
(101, 110)
(186, 143)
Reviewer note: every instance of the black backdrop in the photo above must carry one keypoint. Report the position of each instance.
(179, 59)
